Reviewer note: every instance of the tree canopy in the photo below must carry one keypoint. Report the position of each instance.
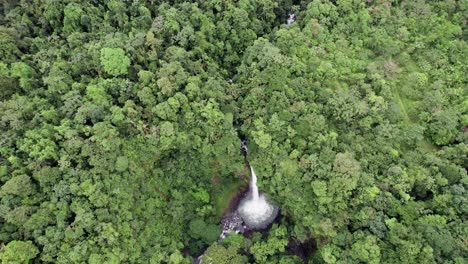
(120, 126)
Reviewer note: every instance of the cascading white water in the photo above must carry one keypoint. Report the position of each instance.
(254, 209)
(253, 184)
(291, 18)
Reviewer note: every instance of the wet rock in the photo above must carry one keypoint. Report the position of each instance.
(243, 147)
(232, 222)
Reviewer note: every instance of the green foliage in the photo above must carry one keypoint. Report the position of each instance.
(121, 164)
(262, 139)
(219, 254)
(24, 73)
(72, 18)
(114, 61)
(97, 94)
(8, 44)
(366, 250)
(234, 240)
(275, 244)
(18, 185)
(120, 125)
(18, 252)
(261, 250)
(443, 127)
(199, 229)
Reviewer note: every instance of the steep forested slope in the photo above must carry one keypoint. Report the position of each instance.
(120, 125)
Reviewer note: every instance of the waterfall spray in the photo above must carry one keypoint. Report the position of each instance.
(254, 209)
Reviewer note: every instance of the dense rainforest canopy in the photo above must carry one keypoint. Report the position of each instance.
(120, 124)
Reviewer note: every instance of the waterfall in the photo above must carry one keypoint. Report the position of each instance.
(254, 209)
(253, 184)
(291, 18)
